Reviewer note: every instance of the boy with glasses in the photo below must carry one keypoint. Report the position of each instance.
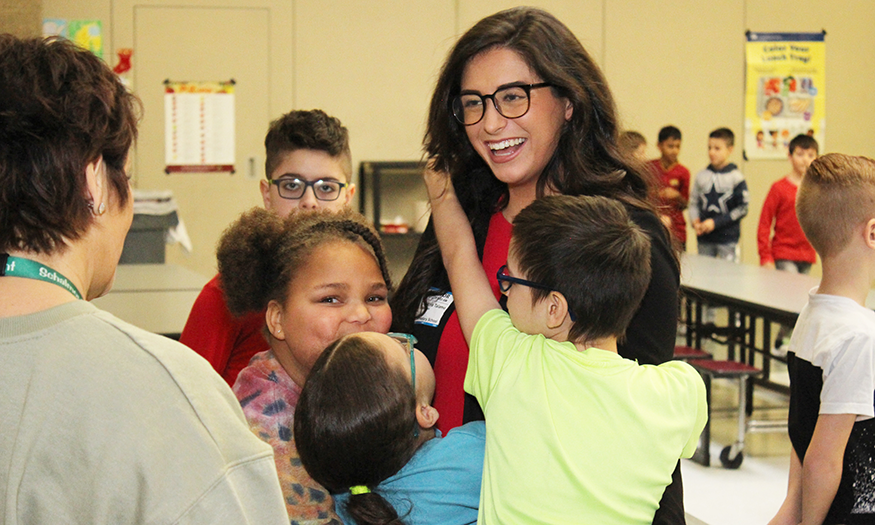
(576, 432)
(308, 166)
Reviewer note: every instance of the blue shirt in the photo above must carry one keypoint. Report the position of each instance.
(441, 482)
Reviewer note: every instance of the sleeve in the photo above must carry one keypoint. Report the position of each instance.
(764, 230)
(684, 187)
(493, 342)
(211, 330)
(736, 206)
(695, 196)
(650, 337)
(849, 378)
(699, 402)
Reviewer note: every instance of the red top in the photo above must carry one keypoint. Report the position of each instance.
(678, 177)
(451, 362)
(227, 342)
(789, 242)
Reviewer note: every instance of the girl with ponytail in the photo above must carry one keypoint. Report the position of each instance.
(365, 430)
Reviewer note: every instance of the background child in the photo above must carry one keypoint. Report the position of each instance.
(787, 249)
(354, 428)
(302, 146)
(718, 200)
(576, 433)
(317, 276)
(832, 351)
(674, 183)
(633, 144)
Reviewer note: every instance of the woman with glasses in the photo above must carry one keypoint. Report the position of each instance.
(317, 276)
(521, 110)
(364, 428)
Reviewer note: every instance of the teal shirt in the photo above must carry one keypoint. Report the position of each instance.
(440, 484)
(577, 437)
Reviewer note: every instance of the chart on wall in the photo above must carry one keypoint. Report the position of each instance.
(199, 126)
(785, 93)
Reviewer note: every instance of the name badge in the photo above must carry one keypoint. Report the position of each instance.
(435, 308)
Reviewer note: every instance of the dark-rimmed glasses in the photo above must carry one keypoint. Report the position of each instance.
(294, 188)
(510, 102)
(408, 341)
(505, 281)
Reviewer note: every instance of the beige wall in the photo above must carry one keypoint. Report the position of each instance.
(682, 62)
(21, 17)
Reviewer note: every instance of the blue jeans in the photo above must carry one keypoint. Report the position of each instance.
(727, 251)
(793, 266)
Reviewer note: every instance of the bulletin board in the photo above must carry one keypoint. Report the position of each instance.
(785, 92)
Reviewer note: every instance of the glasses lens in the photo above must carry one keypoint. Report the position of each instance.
(503, 282)
(468, 108)
(512, 102)
(326, 190)
(291, 188)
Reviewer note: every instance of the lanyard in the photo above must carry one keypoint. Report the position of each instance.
(20, 267)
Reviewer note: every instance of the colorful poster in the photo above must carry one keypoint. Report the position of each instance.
(199, 126)
(54, 27)
(88, 34)
(785, 93)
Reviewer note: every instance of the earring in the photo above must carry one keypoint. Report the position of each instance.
(101, 208)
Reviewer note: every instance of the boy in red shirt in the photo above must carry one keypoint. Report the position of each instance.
(787, 249)
(674, 184)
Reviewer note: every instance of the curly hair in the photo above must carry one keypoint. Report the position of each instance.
(310, 129)
(61, 108)
(354, 424)
(587, 159)
(260, 252)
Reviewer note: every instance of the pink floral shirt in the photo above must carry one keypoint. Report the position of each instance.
(268, 397)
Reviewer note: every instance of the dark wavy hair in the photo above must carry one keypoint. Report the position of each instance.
(587, 160)
(588, 249)
(306, 129)
(354, 425)
(260, 253)
(61, 108)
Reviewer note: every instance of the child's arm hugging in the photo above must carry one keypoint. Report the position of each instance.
(472, 293)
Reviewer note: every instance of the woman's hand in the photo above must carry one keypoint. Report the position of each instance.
(437, 183)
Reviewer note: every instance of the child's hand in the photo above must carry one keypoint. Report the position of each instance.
(706, 226)
(437, 183)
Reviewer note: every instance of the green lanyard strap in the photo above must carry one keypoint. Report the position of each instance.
(21, 267)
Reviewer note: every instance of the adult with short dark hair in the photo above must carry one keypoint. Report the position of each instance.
(520, 111)
(102, 422)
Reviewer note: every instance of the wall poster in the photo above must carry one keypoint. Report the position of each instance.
(785, 93)
(198, 126)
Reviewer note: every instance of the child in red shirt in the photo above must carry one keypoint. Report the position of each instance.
(674, 184)
(787, 249)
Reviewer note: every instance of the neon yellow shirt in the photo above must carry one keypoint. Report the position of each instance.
(577, 437)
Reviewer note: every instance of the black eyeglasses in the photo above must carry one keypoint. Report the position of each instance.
(294, 188)
(510, 102)
(505, 281)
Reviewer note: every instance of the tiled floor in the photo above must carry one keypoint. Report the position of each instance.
(751, 494)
